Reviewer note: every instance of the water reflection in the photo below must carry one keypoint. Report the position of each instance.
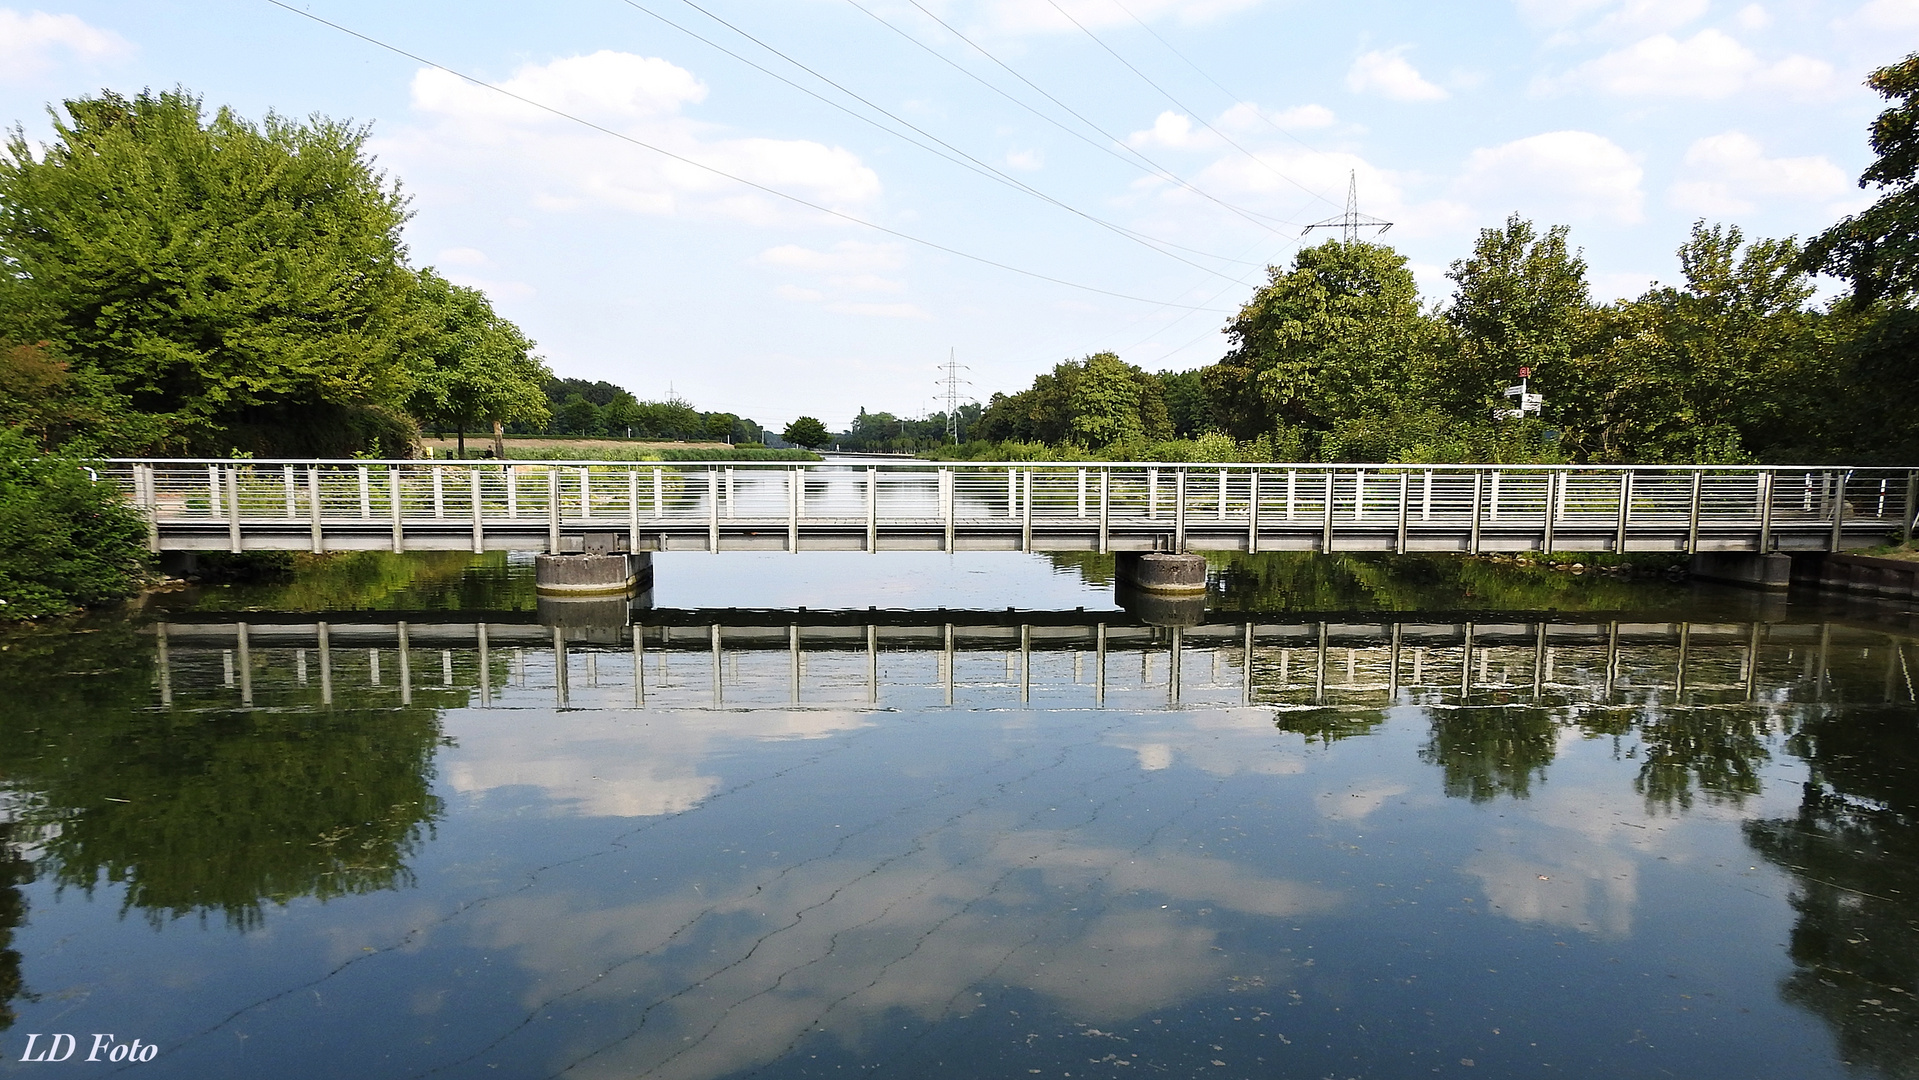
(708, 843)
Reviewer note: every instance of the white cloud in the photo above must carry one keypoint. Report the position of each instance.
(29, 42)
(1617, 18)
(883, 311)
(1884, 15)
(1568, 172)
(1710, 64)
(1031, 17)
(1169, 129)
(1247, 116)
(1025, 160)
(1726, 173)
(795, 293)
(1388, 73)
(848, 256)
(481, 133)
(1753, 17)
(463, 256)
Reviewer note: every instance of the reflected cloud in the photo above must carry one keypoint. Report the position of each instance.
(1593, 891)
(734, 974)
(616, 763)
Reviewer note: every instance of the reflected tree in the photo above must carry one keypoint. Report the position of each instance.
(1484, 753)
(1719, 753)
(15, 871)
(1853, 848)
(195, 812)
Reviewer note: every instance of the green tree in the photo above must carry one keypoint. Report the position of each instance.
(1519, 300)
(807, 431)
(1877, 249)
(240, 283)
(580, 416)
(66, 539)
(1727, 365)
(621, 414)
(476, 368)
(1339, 336)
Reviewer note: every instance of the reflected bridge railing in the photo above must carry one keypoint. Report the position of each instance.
(884, 660)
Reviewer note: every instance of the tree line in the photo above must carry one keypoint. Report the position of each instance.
(1335, 358)
(580, 407)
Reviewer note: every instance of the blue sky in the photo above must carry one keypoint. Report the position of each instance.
(1161, 150)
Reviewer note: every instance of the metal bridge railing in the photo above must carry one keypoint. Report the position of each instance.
(639, 497)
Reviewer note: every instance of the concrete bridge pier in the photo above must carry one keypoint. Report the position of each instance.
(1750, 568)
(1161, 588)
(587, 575)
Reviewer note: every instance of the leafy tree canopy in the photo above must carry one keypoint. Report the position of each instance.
(239, 283)
(807, 431)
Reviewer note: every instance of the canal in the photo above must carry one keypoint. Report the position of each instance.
(963, 816)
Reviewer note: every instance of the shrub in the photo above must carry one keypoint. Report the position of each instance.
(65, 540)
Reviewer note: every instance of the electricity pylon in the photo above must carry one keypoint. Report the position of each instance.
(1352, 220)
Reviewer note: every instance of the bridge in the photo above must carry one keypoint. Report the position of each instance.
(608, 506)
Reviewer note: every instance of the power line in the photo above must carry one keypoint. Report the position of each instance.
(971, 163)
(1230, 96)
(1152, 168)
(702, 166)
(1195, 112)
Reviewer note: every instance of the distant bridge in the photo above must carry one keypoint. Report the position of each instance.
(252, 505)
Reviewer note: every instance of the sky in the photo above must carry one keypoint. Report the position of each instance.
(788, 207)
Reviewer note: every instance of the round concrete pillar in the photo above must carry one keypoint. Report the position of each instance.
(1164, 572)
(586, 575)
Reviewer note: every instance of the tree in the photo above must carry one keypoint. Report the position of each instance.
(1518, 301)
(808, 432)
(65, 538)
(476, 368)
(580, 416)
(1877, 249)
(1337, 337)
(621, 414)
(240, 283)
(1093, 402)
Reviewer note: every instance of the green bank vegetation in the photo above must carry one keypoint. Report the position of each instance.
(1336, 358)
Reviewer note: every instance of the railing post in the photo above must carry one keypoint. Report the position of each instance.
(1692, 513)
(313, 507)
(233, 507)
(872, 510)
(1765, 510)
(479, 513)
(1426, 501)
(1105, 510)
(947, 499)
(795, 483)
(1179, 511)
(1625, 508)
(1082, 494)
(659, 493)
(1906, 512)
(1012, 491)
(1479, 483)
(1553, 480)
(713, 509)
(1252, 513)
(366, 495)
(439, 492)
(293, 507)
(729, 493)
(1326, 534)
(150, 503)
(393, 494)
(586, 493)
(552, 510)
(512, 490)
(1292, 492)
(632, 511)
(1219, 511)
(1405, 492)
(1025, 488)
(1838, 510)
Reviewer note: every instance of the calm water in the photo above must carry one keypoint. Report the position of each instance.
(900, 816)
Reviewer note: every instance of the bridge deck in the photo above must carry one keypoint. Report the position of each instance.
(226, 505)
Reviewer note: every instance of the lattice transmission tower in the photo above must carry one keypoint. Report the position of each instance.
(1350, 222)
(950, 384)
